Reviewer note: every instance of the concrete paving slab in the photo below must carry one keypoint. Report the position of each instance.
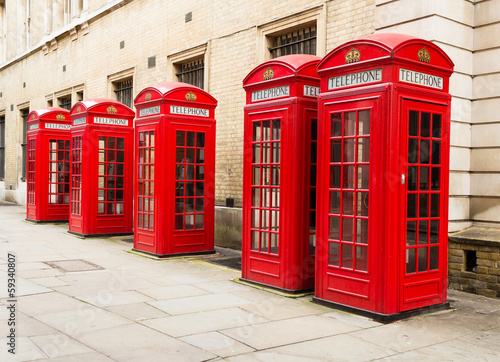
(108, 299)
(58, 345)
(35, 305)
(29, 326)
(217, 343)
(278, 333)
(489, 339)
(222, 286)
(24, 287)
(49, 282)
(85, 319)
(336, 348)
(173, 292)
(85, 357)
(139, 343)
(137, 311)
(25, 350)
(452, 351)
(199, 303)
(202, 322)
(39, 273)
(353, 319)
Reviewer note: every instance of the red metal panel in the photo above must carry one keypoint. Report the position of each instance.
(102, 168)
(279, 169)
(403, 81)
(178, 217)
(48, 165)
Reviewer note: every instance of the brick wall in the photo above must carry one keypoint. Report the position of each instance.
(474, 268)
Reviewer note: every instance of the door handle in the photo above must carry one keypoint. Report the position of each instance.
(403, 179)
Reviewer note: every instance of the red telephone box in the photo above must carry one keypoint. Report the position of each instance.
(383, 165)
(175, 170)
(279, 168)
(102, 151)
(48, 165)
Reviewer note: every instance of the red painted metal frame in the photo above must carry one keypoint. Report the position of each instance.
(290, 266)
(171, 109)
(385, 290)
(46, 125)
(94, 120)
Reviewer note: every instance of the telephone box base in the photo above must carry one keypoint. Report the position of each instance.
(163, 256)
(383, 318)
(99, 235)
(289, 291)
(46, 221)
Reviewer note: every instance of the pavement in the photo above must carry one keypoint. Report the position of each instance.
(91, 300)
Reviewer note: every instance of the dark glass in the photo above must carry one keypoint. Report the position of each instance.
(349, 123)
(179, 155)
(422, 259)
(412, 178)
(361, 258)
(121, 143)
(362, 203)
(363, 150)
(348, 178)
(190, 139)
(347, 256)
(436, 152)
(412, 150)
(364, 122)
(348, 203)
(434, 232)
(111, 142)
(333, 254)
(411, 228)
(435, 174)
(336, 125)
(434, 258)
(276, 129)
(314, 129)
(413, 124)
(436, 126)
(411, 261)
(424, 178)
(347, 229)
(334, 202)
(276, 146)
(335, 176)
(190, 155)
(363, 177)
(334, 228)
(434, 205)
(266, 131)
(362, 231)
(425, 125)
(200, 139)
(411, 206)
(424, 205)
(189, 188)
(180, 139)
(200, 156)
(335, 151)
(424, 151)
(423, 232)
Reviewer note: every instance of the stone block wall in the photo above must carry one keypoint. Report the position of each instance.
(474, 267)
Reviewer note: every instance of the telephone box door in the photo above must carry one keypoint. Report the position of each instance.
(193, 187)
(425, 168)
(265, 152)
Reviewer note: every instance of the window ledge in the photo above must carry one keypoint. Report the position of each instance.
(477, 236)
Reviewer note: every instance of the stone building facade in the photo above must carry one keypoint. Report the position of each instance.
(56, 52)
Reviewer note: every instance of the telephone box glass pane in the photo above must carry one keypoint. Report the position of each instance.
(266, 159)
(146, 180)
(423, 205)
(190, 161)
(76, 176)
(349, 189)
(58, 171)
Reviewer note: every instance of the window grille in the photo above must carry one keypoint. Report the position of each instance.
(301, 41)
(24, 144)
(2, 147)
(65, 102)
(192, 72)
(123, 92)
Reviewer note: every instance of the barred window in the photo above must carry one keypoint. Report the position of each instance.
(301, 41)
(2, 147)
(123, 91)
(65, 102)
(24, 114)
(191, 72)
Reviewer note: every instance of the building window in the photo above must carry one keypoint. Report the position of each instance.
(2, 147)
(191, 72)
(123, 90)
(300, 41)
(24, 115)
(65, 102)
(79, 96)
